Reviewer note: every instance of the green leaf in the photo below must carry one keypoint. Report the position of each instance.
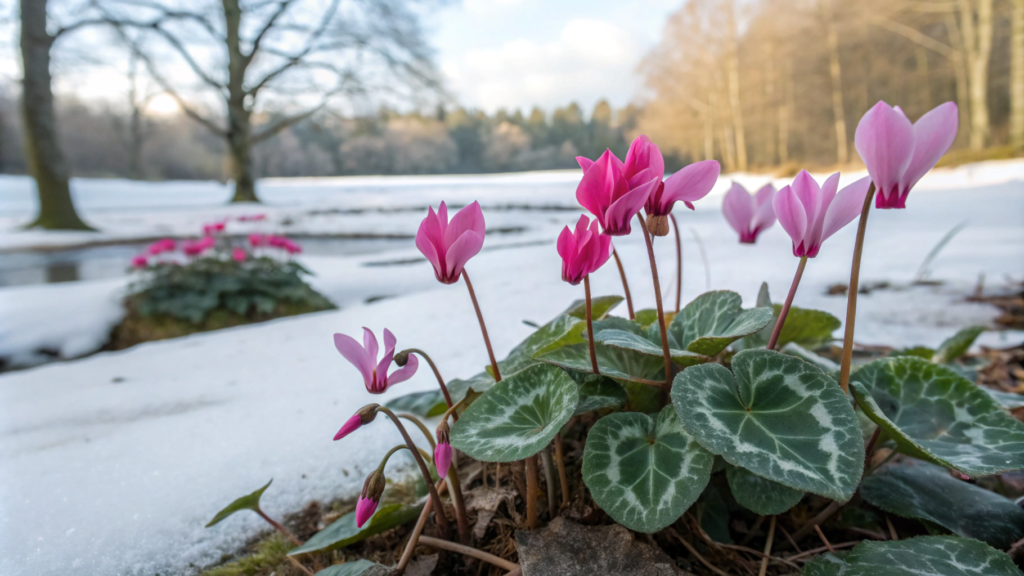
(635, 343)
(957, 345)
(919, 351)
(920, 556)
(760, 495)
(425, 404)
(646, 317)
(713, 321)
(713, 509)
(935, 415)
(458, 388)
(779, 417)
(644, 473)
(824, 364)
(247, 502)
(599, 307)
(598, 392)
(359, 567)
(518, 416)
(1008, 400)
(806, 327)
(926, 492)
(344, 532)
(622, 365)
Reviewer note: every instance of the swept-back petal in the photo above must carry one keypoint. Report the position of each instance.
(356, 354)
(691, 183)
(790, 212)
(470, 218)
(584, 162)
(403, 373)
(933, 135)
(622, 210)
(566, 244)
(738, 208)
(370, 343)
(885, 141)
(812, 237)
(467, 246)
(806, 189)
(764, 195)
(430, 241)
(847, 204)
(764, 217)
(594, 191)
(389, 341)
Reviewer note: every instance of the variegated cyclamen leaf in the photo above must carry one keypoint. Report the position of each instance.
(622, 365)
(778, 417)
(824, 364)
(927, 492)
(598, 392)
(636, 343)
(1008, 400)
(644, 472)
(957, 345)
(518, 416)
(425, 404)
(713, 321)
(920, 556)
(760, 495)
(359, 567)
(934, 414)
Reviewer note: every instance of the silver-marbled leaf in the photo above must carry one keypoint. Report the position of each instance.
(644, 472)
(934, 414)
(760, 495)
(713, 321)
(920, 556)
(779, 417)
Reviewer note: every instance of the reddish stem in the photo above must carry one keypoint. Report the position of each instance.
(657, 300)
(679, 262)
(625, 284)
(440, 381)
(483, 327)
(287, 533)
(785, 307)
(590, 325)
(851, 296)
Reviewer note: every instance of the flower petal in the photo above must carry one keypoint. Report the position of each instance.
(442, 458)
(622, 210)
(885, 142)
(430, 242)
(355, 354)
(933, 135)
(470, 218)
(691, 183)
(738, 208)
(467, 246)
(403, 373)
(350, 426)
(812, 237)
(370, 343)
(364, 511)
(584, 162)
(790, 212)
(847, 204)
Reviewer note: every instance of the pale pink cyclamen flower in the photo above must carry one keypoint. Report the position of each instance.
(140, 261)
(364, 357)
(810, 214)
(194, 248)
(443, 449)
(749, 215)
(898, 153)
(583, 251)
(449, 245)
(615, 192)
(161, 246)
(369, 498)
(238, 254)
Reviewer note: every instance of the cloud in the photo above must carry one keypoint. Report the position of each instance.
(590, 59)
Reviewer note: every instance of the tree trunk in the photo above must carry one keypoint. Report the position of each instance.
(239, 135)
(976, 28)
(1017, 75)
(42, 147)
(959, 61)
(835, 72)
(770, 81)
(923, 77)
(735, 105)
(785, 98)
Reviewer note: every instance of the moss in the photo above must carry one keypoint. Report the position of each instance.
(269, 556)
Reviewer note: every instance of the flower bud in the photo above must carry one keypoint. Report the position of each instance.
(373, 488)
(443, 450)
(364, 415)
(658, 225)
(401, 358)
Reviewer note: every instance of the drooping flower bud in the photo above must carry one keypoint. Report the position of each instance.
(364, 415)
(369, 498)
(401, 358)
(443, 450)
(658, 225)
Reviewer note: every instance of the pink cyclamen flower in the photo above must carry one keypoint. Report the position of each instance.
(257, 240)
(449, 245)
(364, 415)
(213, 228)
(238, 254)
(252, 218)
(610, 195)
(688, 185)
(140, 261)
(810, 214)
(369, 498)
(898, 153)
(749, 215)
(583, 251)
(443, 449)
(161, 246)
(196, 247)
(364, 359)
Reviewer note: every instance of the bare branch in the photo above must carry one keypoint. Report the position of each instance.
(295, 58)
(281, 8)
(915, 36)
(77, 25)
(280, 125)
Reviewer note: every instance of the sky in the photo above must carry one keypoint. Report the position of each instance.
(492, 53)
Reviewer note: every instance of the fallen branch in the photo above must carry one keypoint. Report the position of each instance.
(468, 551)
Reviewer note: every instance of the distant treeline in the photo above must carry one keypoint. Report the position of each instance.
(100, 142)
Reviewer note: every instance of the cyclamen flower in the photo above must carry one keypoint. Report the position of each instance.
(213, 228)
(583, 251)
(238, 254)
(196, 247)
(449, 245)
(252, 218)
(615, 192)
(749, 215)
(278, 242)
(364, 357)
(810, 214)
(443, 450)
(688, 185)
(369, 498)
(257, 240)
(898, 153)
(161, 246)
(140, 261)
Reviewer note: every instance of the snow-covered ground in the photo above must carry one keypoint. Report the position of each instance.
(111, 464)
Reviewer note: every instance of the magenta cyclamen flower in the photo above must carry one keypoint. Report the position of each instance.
(140, 261)
(612, 197)
(197, 247)
(213, 228)
(449, 245)
(898, 153)
(688, 185)
(810, 214)
(443, 449)
(238, 254)
(749, 215)
(364, 359)
(369, 498)
(583, 251)
(161, 246)
(364, 415)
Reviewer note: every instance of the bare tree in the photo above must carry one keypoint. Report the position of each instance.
(836, 77)
(1017, 75)
(289, 53)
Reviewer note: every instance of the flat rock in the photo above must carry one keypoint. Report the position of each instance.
(564, 548)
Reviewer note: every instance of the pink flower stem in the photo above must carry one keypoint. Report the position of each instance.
(851, 295)
(625, 284)
(590, 325)
(440, 517)
(657, 300)
(679, 262)
(483, 327)
(280, 528)
(422, 427)
(437, 373)
(785, 307)
(410, 547)
(454, 484)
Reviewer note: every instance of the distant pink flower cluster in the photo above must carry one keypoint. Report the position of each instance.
(252, 218)
(214, 228)
(213, 241)
(197, 247)
(273, 241)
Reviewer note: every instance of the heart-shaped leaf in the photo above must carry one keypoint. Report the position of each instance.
(425, 404)
(760, 495)
(713, 321)
(479, 383)
(935, 415)
(617, 363)
(929, 493)
(824, 364)
(957, 345)
(359, 567)
(644, 472)
(636, 343)
(518, 416)
(598, 392)
(1008, 400)
(344, 532)
(920, 556)
(779, 417)
(808, 328)
(247, 502)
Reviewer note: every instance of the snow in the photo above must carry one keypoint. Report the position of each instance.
(112, 464)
